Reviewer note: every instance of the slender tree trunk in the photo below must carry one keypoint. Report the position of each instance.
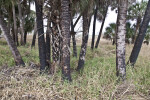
(73, 40)
(48, 47)
(65, 26)
(77, 21)
(21, 22)
(84, 40)
(10, 42)
(25, 37)
(34, 36)
(15, 25)
(94, 24)
(120, 40)
(140, 37)
(41, 40)
(101, 29)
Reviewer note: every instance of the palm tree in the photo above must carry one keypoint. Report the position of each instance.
(10, 42)
(41, 40)
(140, 37)
(65, 26)
(120, 39)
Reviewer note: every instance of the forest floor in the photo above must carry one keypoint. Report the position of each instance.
(97, 81)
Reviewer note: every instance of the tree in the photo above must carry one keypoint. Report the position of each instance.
(139, 40)
(41, 40)
(65, 28)
(10, 42)
(94, 24)
(120, 39)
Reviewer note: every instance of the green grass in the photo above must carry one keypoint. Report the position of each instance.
(96, 82)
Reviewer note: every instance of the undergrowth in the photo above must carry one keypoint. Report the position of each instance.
(97, 81)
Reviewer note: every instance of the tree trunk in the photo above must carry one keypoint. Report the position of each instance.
(15, 25)
(48, 47)
(10, 42)
(84, 40)
(120, 40)
(25, 37)
(41, 40)
(101, 29)
(34, 36)
(65, 26)
(21, 23)
(77, 21)
(140, 37)
(73, 40)
(94, 24)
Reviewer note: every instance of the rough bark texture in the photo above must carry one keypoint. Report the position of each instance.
(94, 24)
(10, 42)
(21, 22)
(120, 39)
(140, 37)
(101, 29)
(48, 49)
(84, 40)
(65, 26)
(41, 40)
(34, 35)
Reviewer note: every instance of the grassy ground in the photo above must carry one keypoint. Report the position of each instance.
(97, 81)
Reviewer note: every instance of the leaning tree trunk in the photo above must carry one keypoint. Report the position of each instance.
(10, 42)
(34, 35)
(120, 40)
(41, 40)
(140, 37)
(84, 40)
(101, 29)
(94, 24)
(65, 26)
(21, 22)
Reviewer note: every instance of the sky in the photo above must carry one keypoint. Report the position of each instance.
(111, 18)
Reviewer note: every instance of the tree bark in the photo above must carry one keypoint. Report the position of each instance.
(73, 40)
(101, 29)
(120, 40)
(34, 36)
(94, 24)
(10, 42)
(65, 26)
(84, 40)
(140, 37)
(41, 40)
(15, 25)
(21, 23)
(25, 37)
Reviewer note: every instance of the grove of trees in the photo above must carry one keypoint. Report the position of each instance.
(17, 19)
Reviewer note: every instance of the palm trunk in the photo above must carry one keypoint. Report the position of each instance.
(84, 40)
(10, 42)
(73, 40)
(140, 37)
(101, 29)
(65, 26)
(120, 40)
(41, 40)
(21, 23)
(15, 25)
(34, 36)
(48, 49)
(94, 24)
